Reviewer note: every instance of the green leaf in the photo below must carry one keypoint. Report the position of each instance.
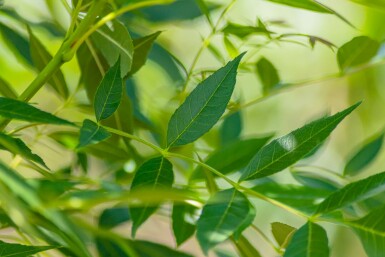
(6, 90)
(315, 180)
(364, 156)
(142, 47)
(268, 75)
(138, 248)
(156, 173)
(14, 109)
(301, 198)
(203, 107)
(246, 249)
(285, 151)
(113, 217)
(282, 233)
(183, 222)
(109, 93)
(371, 231)
(356, 52)
(92, 66)
(222, 216)
(232, 50)
(17, 146)
(353, 192)
(91, 133)
(246, 222)
(41, 57)
(242, 31)
(231, 157)
(231, 128)
(17, 250)
(308, 241)
(115, 44)
(17, 43)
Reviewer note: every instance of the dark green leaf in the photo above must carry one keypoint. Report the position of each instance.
(177, 10)
(14, 109)
(268, 75)
(41, 57)
(356, 52)
(308, 241)
(371, 231)
(109, 93)
(183, 222)
(17, 250)
(353, 192)
(92, 66)
(364, 156)
(142, 47)
(203, 107)
(128, 248)
(115, 43)
(314, 180)
(17, 146)
(242, 31)
(301, 198)
(91, 133)
(287, 150)
(221, 217)
(17, 43)
(231, 157)
(153, 174)
(231, 128)
(282, 233)
(6, 90)
(113, 217)
(246, 223)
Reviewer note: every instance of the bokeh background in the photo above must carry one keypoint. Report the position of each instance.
(320, 89)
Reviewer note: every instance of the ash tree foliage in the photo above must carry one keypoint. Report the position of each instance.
(207, 197)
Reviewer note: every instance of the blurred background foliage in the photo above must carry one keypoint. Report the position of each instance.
(316, 84)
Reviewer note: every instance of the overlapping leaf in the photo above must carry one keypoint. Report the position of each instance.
(18, 250)
(41, 57)
(356, 52)
(282, 233)
(223, 215)
(109, 93)
(155, 173)
(203, 107)
(371, 231)
(14, 109)
(353, 192)
(308, 241)
(268, 74)
(91, 133)
(364, 156)
(231, 157)
(183, 219)
(284, 151)
(17, 146)
(115, 44)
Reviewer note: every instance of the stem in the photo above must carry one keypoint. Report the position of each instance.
(109, 17)
(205, 44)
(138, 139)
